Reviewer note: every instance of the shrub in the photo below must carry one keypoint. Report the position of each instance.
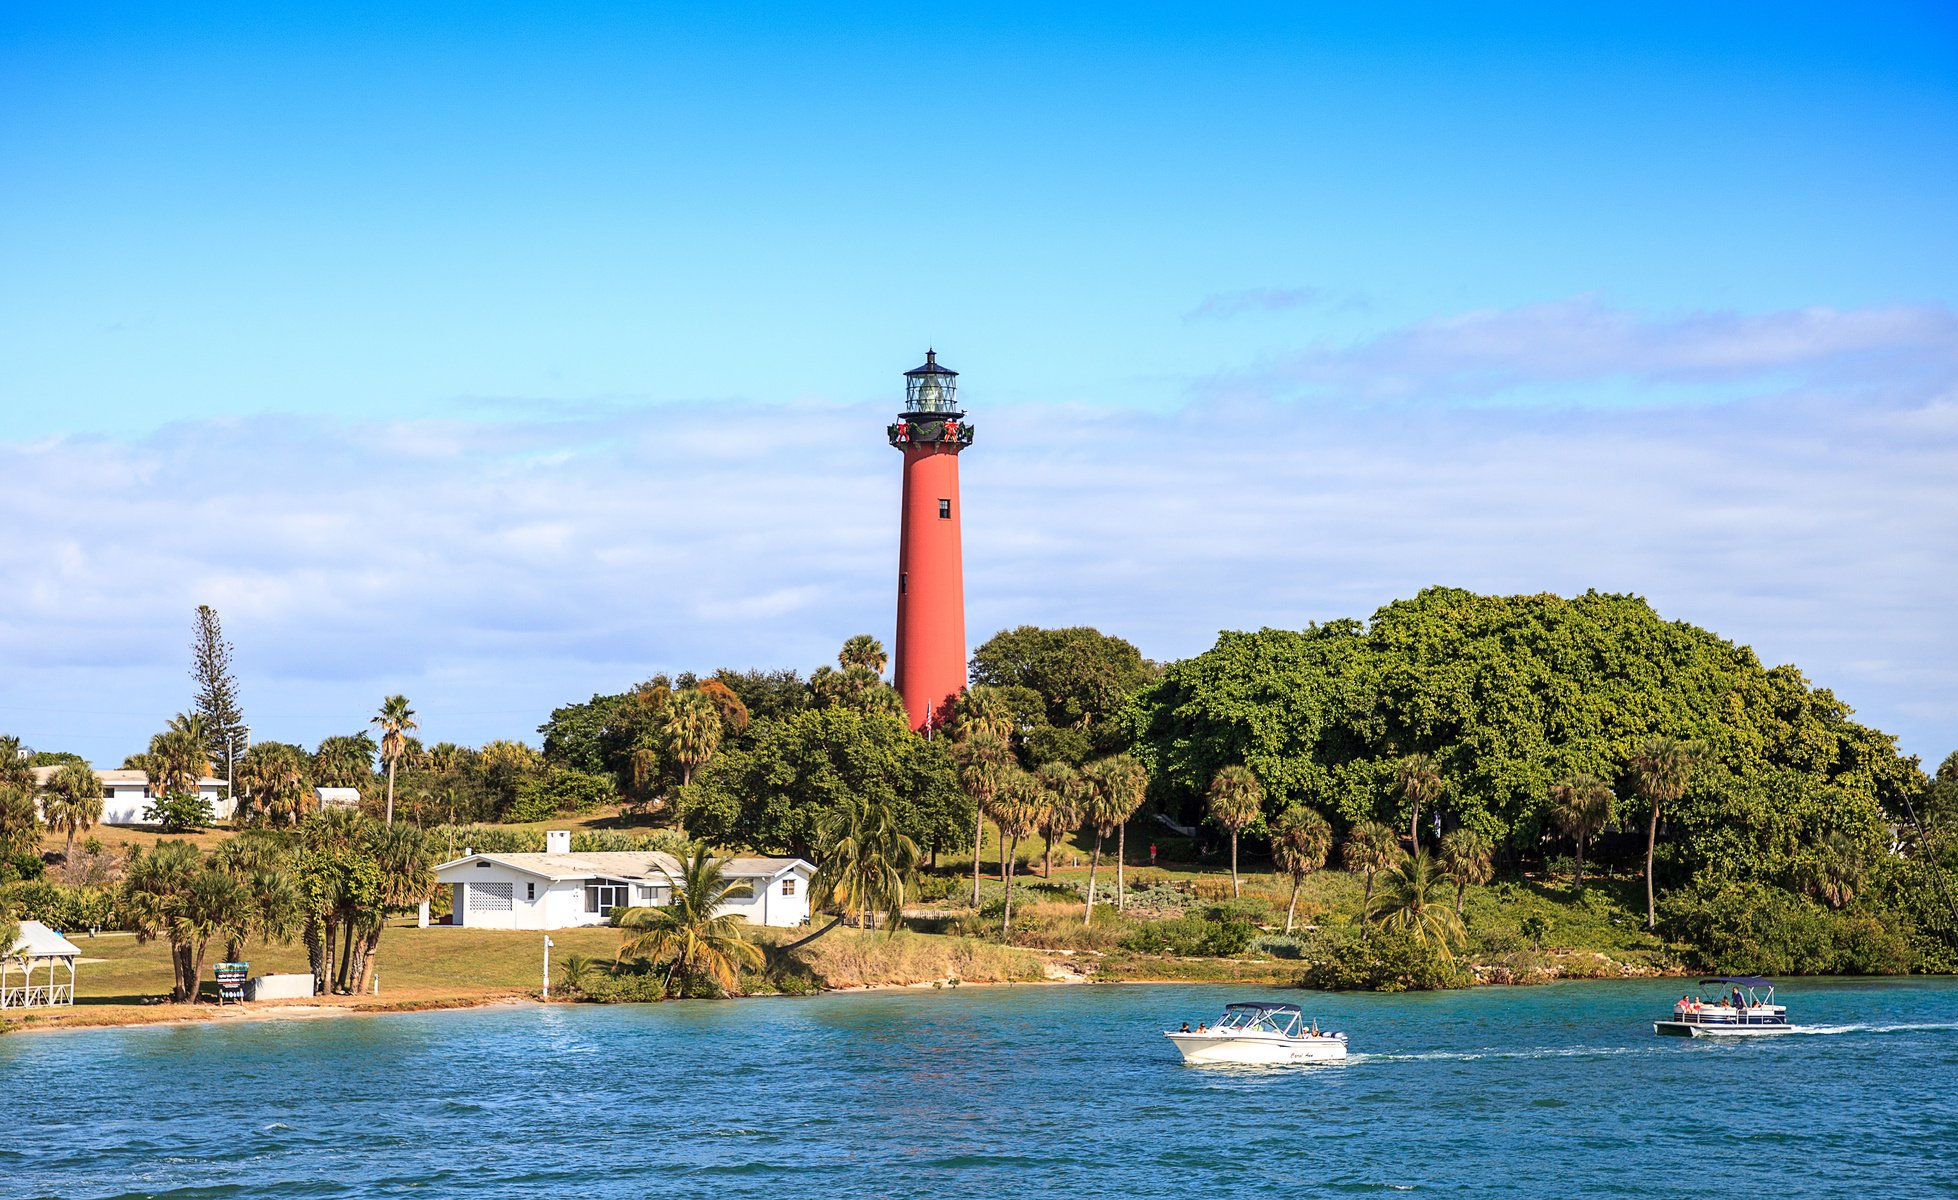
(181, 813)
(19, 866)
(1756, 928)
(1379, 961)
(1191, 937)
(560, 791)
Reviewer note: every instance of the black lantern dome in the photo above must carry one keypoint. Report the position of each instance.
(930, 388)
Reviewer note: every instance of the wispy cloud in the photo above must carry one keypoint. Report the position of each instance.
(1583, 340)
(1231, 304)
(493, 570)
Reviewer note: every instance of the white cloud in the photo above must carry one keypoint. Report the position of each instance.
(493, 570)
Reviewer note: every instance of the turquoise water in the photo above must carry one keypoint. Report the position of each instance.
(1000, 1092)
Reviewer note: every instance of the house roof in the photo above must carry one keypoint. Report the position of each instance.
(650, 865)
(38, 941)
(116, 777)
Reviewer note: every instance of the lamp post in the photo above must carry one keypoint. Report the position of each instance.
(547, 966)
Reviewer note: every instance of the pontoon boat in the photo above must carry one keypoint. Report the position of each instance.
(1744, 1007)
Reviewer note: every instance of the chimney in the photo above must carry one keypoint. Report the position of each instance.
(557, 841)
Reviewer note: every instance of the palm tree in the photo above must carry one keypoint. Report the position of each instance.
(691, 731)
(983, 760)
(1581, 805)
(1662, 768)
(1465, 858)
(345, 760)
(405, 859)
(1418, 780)
(1834, 874)
(695, 943)
(1300, 843)
(20, 820)
(73, 803)
(866, 862)
(980, 709)
(1100, 809)
(272, 897)
(1128, 785)
(16, 763)
(1370, 848)
(1415, 900)
(177, 756)
(273, 776)
(864, 651)
(1236, 798)
(173, 894)
(1019, 807)
(394, 721)
(1063, 785)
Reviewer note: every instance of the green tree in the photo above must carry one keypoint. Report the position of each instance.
(175, 895)
(1582, 806)
(1018, 809)
(345, 760)
(863, 651)
(1079, 681)
(1419, 782)
(274, 778)
(1662, 769)
(1834, 872)
(1062, 784)
(984, 761)
(1127, 784)
(20, 820)
(1414, 900)
(1466, 859)
(692, 731)
(1236, 799)
(216, 702)
(866, 864)
(774, 796)
(686, 935)
(1301, 840)
(404, 859)
(72, 804)
(395, 720)
(1370, 849)
(16, 763)
(273, 911)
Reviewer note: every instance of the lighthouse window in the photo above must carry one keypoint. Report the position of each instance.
(901, 576)
(944, 510)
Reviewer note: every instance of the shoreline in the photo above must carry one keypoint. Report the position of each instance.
(78, 1018)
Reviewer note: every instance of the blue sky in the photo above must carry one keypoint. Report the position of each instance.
(503, 353)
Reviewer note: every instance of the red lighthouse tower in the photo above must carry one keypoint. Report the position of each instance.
(931, 431)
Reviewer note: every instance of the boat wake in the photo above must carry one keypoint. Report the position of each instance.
(1926, 1027)
(1475, 1055)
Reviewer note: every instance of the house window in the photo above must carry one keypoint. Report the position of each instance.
(650, 894)
(944, 510)
(602, 898)
(530, 891)
(788, 887)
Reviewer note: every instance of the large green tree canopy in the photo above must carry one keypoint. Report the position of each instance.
(1067, 688)
(1508, 694)
(773, 796)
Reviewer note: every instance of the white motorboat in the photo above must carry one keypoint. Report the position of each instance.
(1744, 1007)
(1258, 1033)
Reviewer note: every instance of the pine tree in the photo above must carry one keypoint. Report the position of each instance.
(217, 689)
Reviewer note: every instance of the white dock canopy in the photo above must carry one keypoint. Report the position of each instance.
(38, 969)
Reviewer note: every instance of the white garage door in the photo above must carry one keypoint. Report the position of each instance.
(492, 897)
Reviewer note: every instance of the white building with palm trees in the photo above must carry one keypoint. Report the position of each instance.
(126, 795)
(559, 890)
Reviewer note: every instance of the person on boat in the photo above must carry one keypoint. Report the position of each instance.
(1202, 1027)
(1738, 1003)
(1185, 1029)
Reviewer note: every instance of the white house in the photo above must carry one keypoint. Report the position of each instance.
(337, 797)
(126, 794)
(558, 889)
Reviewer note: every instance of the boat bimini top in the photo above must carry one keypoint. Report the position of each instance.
(1261, 1016)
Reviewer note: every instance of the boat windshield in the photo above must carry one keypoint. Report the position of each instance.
(1246, 1018)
